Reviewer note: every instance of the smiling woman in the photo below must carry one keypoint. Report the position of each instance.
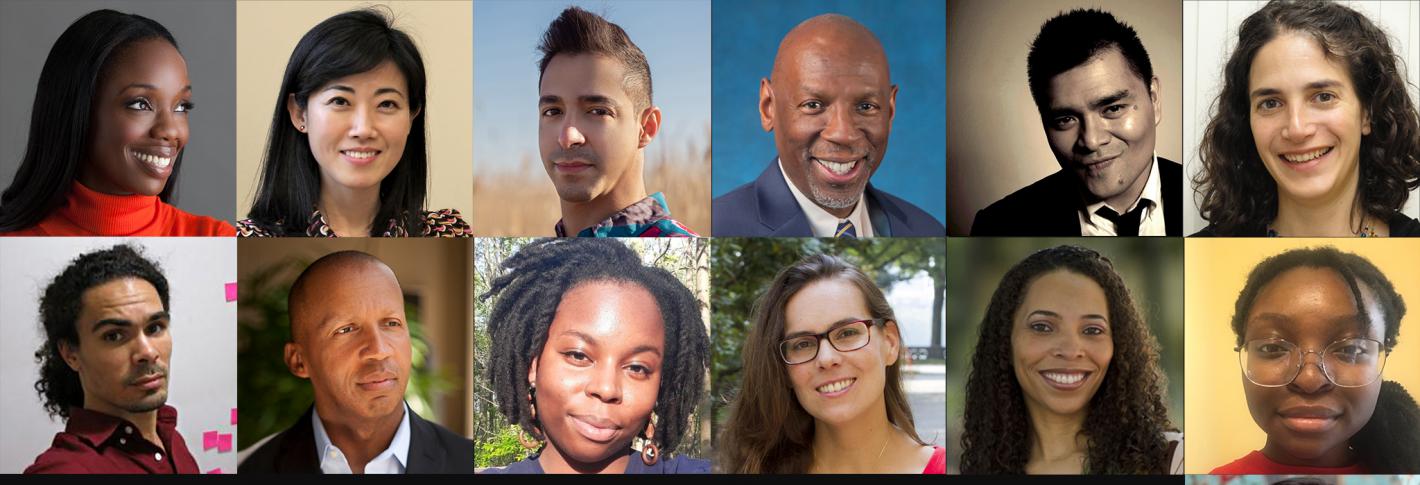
(106, 136)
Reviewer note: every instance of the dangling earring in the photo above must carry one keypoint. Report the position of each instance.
(650, 454)
(531, 443)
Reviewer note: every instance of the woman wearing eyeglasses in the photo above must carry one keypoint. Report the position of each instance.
(1065, 378)
(822, 387)
(1314, 328)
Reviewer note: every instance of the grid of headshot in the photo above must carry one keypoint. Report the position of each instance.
(503, 238)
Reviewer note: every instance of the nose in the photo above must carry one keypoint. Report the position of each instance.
(144, 351)
(362, 124)
(1092, 136)
(827, 355)
(841, 128)
(570, 136)
(1299, 126)
(1310, 379)
(168, 127)
(605, 383)
(377, 345)
(1067, 346)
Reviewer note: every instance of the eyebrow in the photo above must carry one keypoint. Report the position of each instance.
(841, 322)
(1311, 86)
(584, 99)
(1048, 313)
(150, 86)
(121, 322)
(1110, 99)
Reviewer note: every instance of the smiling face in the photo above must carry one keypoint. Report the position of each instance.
(599, 373)
(836, 387)
(590, 132)
(1100, 124)
(1061, 343)
(1307, 119)
(352, 341)
(124, 346)
(139, 120)
(357, 126)
(1309, 421)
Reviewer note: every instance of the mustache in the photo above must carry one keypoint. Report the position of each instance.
(147, 371)
(841, 152)
(580, 152)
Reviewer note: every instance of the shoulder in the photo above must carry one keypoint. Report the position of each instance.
(249, 228)
(188, 224)
(445, 223)
(1050, 190)
(669, 465)
(736, 197)
(921, 223)
(1248, 464)
(68, 454)
(668, 228)
(1402, 225)
(263, 458)
(1210, 231)
(430, 432)
(937, 465)
(525, 466)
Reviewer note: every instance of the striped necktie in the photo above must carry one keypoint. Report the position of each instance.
(846, 229)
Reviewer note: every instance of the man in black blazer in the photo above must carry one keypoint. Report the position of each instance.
(830, 104)
(1098, 99)
(349, 336)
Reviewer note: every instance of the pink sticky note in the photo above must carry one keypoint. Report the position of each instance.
(224, 442)
(234, 416)
(209, 440)
(214, 471)
(231, 292)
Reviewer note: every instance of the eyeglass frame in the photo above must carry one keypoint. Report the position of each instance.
(1321, 361)
(819, 338)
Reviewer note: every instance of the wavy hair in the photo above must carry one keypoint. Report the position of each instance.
(1125, 419)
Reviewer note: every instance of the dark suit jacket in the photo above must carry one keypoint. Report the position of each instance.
(766, 207)
(432, 449)
(1050, 207)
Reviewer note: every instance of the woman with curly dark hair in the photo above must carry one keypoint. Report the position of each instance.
(1314, 133)
(591, 350)
(1338, 416)
(822, 389)
(1065, 378)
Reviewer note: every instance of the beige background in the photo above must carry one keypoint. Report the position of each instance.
(995, 140)
(267, 32)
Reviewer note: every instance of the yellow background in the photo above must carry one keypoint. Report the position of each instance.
(1218, 428)
(267, 32)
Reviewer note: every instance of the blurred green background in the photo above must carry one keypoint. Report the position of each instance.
(1152, 268)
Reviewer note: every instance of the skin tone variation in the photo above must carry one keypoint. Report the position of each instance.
(123, 353)
(1100, 125)
(830, 103)
(1310, 421)
(1308, 124)
(843, 390)
(351, 339)
(139, 120)
(1061, 348)
(598, 376)
(357, 126)
(591, 135)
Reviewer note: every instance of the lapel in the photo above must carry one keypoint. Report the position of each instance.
(297, 452)
(880, 215)
(1171, 176)
(424, 455)
(779, 213)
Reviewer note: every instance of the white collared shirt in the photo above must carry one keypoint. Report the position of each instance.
(1151, 222)
(821, 221)
(391, 461)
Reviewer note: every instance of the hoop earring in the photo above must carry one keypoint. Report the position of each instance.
(531, 443)
(650, 454)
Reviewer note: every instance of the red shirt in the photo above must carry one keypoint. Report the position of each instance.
(938, 464)
(1256, 463)
(93, 442)
(89, 213)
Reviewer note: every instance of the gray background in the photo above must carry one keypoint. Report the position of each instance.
(204, 328)
(206, 34)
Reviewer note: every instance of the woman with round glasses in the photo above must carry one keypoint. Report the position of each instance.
(822, 388)
(1065, 378)
(1314, 327)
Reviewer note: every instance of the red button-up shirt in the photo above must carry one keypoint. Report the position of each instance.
(94, 442)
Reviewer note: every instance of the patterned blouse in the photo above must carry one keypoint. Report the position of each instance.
(439, 223)
(648, 217)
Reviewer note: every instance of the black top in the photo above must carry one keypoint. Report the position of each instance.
(432, 449)
(667, 465)
(1400, 226)
(1051, 206)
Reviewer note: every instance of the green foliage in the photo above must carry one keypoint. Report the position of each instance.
(500, 449)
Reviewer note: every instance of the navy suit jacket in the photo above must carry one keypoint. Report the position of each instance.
(766, 207)
(1047, 207)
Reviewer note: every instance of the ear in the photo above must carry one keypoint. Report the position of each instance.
(893, 341)
(1154, 99)
(297, 113)
(650, 126)
(296, 361)
(532, 373)
(766, 105)
(70, 355)
(892, 104)
(1366, 123)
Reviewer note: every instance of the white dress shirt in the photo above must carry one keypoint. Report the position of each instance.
(821, 221)
(390, 461)
(1151, 222)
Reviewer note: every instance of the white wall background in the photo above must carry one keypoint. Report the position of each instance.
(203, 369)
(1210, 30)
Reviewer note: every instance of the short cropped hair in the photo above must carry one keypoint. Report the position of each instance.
(578, 31)
(1075, 37)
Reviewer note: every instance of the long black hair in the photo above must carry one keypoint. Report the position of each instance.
(1390, 441)
(59, 121)
(526, 301)
(347, 44)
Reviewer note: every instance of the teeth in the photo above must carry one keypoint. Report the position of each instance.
(1306, 157)
(1064, 377)
(839, 168)
(836, 386)
(360, 154)
(154, 160)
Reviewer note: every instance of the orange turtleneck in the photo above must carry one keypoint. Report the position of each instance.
(89, 213)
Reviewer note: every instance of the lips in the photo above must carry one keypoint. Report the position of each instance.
(1065, 379)
(839, 171)
(380, 381)
(156, 160)
(1306, 160)
(572, 166)
(1310, 418)
(149, 383)
(594, 428)
(836, 387)
(360, 155)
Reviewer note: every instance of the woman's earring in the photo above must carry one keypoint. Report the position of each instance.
(650, 454)
(303, 128)
(535, 442)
